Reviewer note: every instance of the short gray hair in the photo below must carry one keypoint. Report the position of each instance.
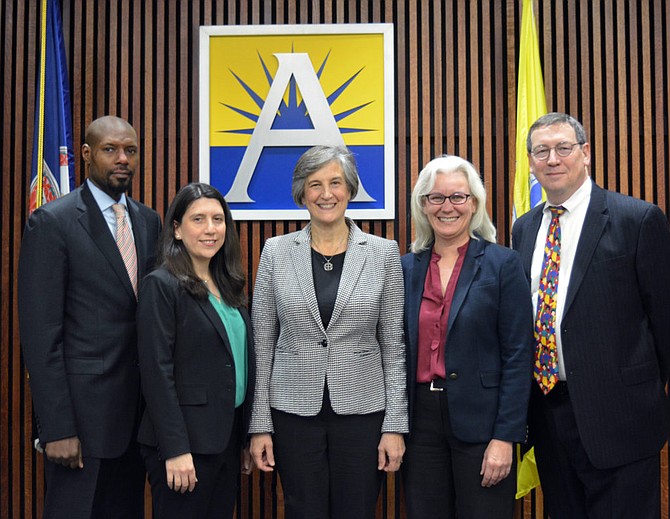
(448, 165)
(316, 158)
(553, 118)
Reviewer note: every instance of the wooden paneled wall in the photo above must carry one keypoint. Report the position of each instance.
(607, 62)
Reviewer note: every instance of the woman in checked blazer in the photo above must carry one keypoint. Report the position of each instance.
(330, 403)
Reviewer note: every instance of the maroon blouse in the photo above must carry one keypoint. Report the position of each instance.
(433, 318)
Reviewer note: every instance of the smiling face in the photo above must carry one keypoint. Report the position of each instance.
(450, 223)
(326, 194)
(559, 176)
(202, 230)
(112, 155)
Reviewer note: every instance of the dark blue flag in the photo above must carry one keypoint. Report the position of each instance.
(52, 173)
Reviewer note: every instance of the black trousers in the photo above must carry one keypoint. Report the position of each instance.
(328, 463)
(573, 488)
(215, 492)
(441, 473)
(103, 489)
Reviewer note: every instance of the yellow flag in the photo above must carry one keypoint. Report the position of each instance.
(530, 105)
(527, 477)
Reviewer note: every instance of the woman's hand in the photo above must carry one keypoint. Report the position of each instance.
(247, 463)
(181, 473)
(497, 462)
(390, 451)
(262, 452)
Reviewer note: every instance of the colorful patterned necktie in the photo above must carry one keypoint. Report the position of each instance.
(546, 356)
(126, 244)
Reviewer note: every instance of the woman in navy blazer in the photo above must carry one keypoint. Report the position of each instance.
(468, 333)
(196, 362)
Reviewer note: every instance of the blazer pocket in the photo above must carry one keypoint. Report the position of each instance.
(84, 365)
(192, 394)
(367, 352)
(640, 373)
(609, 264)
(485, 282)
(490, 378)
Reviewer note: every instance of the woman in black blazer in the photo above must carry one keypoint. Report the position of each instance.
(468, 332)
(195, 360)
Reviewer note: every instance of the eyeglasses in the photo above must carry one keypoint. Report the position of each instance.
(563, 149)
(439, 198)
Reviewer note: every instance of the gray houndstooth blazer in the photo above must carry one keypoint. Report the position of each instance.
(361, 355)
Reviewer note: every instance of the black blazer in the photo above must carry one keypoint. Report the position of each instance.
(188, 373)
(614, 331)
(77, 321)
(488, 354)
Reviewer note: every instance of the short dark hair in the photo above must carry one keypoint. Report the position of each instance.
(225, 266)
(553, 118)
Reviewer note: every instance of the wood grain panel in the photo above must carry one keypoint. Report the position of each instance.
(605, 62)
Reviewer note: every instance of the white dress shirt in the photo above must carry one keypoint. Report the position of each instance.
(572, 221)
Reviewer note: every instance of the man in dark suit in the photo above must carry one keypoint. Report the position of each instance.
(77, 301)
(599, 425)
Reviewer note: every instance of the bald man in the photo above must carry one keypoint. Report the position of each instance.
(77, 300)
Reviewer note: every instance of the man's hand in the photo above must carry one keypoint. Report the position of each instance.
(66, 452)
(181, 473)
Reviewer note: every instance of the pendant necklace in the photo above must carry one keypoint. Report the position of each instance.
(328, 266)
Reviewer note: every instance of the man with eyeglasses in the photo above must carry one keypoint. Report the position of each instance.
(596, 262)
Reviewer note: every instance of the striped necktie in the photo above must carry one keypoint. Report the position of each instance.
(126, 244)
(546, 355)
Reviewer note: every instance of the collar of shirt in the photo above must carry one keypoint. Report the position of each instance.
(105, 203)
(583, 194)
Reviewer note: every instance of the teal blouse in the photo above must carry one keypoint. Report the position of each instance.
(237, 335)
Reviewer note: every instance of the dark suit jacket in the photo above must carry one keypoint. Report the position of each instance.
(77, 321)
(614, 331)
(188, 373)
(488, 354)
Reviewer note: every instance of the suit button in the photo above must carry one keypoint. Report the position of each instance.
(324, 343)
(453, 375)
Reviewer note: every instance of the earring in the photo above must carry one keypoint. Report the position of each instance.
(177, 237)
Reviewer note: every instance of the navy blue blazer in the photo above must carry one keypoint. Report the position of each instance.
(488, 354)
(188, 370)
(614, 332)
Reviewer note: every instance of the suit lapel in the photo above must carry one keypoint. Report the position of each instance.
(214, 318)
(354, 261)
(595, 221)
(301, 255)
(529, 237)
(417, 279)
(469, 270)
(139, 233)
(96, 227)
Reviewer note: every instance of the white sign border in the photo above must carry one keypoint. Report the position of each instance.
(386, 29)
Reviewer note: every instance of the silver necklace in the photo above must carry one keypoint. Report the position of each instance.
(328, 266)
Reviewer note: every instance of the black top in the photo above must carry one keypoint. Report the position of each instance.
(326, 283)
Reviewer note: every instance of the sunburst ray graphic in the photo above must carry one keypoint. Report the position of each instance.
(292, 114)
